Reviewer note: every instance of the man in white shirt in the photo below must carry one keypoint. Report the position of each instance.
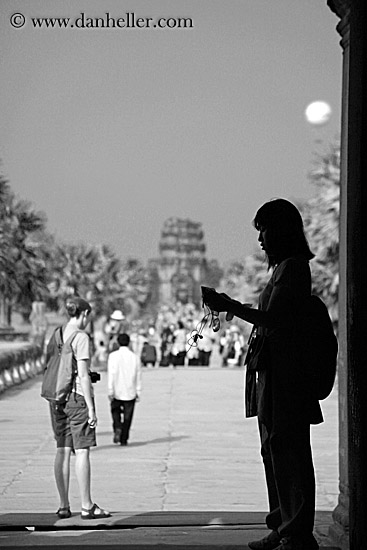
(124, 387)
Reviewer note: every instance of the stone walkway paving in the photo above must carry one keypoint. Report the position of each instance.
(191, 450)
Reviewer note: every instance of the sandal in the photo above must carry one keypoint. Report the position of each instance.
(91, 514)
(64, 513)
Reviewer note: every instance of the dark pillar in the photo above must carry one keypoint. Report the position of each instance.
(357, 276)
(339, 531)
(350, 516)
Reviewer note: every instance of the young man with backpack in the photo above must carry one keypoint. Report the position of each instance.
(67, 386)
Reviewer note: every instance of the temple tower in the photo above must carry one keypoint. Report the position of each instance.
(182, 264)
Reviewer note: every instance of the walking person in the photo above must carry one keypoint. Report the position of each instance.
(205, 347)
(166, 345)
(74, 422)
(124, 387)
(179, 345)
(113, 328)
(278, 389)
(148, 354)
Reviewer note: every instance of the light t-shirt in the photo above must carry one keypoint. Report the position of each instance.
(81, 346)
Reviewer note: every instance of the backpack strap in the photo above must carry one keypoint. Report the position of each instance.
(69, 341)
(58, 337)
(71, 337)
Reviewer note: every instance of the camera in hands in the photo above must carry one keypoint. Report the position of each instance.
(206, 292)
(94, 376)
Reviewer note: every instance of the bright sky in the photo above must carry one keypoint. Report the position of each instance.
(111, 131)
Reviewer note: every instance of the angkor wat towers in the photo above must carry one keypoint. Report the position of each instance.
(182, 266)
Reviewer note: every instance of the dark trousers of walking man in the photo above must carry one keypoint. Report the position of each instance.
(122, 416)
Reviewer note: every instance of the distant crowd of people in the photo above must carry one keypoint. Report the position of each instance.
(169, 344)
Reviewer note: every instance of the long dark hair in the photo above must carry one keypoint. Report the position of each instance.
(284, 222)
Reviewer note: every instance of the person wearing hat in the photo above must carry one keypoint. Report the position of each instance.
(112, 329)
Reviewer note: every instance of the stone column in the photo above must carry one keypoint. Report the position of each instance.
(339, 531)
(353, 289)
(357, 275)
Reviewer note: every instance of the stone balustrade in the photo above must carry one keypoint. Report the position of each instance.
(19, 361)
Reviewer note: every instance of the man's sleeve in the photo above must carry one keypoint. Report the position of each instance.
(81, 346)
(110, 375)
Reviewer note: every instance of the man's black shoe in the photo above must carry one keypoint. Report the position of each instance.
(117, 436)
(270, 542)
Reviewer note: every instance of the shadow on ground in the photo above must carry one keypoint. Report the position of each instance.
(141, 531)
(140, 443)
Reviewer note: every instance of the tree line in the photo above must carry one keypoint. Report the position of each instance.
(35, 266)
(244, 279)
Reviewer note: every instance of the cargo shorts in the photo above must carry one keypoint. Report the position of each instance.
(70, 423)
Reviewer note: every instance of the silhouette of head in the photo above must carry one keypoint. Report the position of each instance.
(283, 224)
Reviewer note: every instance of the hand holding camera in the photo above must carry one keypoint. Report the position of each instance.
(218, 302)
(215, 301)
(94, 376)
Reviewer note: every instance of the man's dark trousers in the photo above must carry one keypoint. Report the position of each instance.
(119, 407)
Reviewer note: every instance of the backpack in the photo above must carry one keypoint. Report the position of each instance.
(321, 347)
(61, 368)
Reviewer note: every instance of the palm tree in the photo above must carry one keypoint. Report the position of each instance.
(245, 279)
(94, 271)
(136, 286)
(82, 269)
(21, 270)
(5, 282)
(321, 215)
